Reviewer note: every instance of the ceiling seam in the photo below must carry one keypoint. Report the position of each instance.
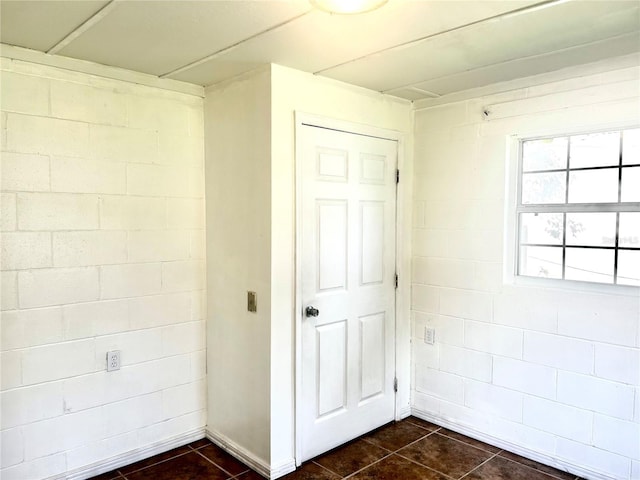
(86, 25)
(520, 83)
(413, 87)
(231, 47)
(518, 11)
(506, 62)
(25, 55)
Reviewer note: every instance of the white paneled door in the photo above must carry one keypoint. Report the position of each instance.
(347, 188)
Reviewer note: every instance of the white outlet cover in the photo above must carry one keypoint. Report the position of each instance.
(429, 335)
(113, 360)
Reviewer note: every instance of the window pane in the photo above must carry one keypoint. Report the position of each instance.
(629, 267)
(589, 265)
(543, 188)
(541, 228)
(572, 192)
(629, 229)
(591, 229)
(630, 184)
(543, 262)
(545, 154)
(595, 150)
(631, 146)
(593, 186)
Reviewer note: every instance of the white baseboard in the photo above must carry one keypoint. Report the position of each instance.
(546, 459)
(131, 456)
(246, 457)
(249, 459)
(403, 412)
(282, 469)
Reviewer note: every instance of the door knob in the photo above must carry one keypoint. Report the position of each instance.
(311, 311)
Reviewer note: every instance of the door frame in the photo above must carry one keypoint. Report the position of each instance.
(402, 260)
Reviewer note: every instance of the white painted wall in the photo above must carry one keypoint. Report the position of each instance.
(102, 249)
(238, 185)
(550, 371)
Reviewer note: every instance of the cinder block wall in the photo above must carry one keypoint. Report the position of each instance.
(102, 248)
(546, 370)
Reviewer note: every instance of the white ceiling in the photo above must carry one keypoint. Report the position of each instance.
(409, 48)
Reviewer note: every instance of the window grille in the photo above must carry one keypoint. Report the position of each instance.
(578, 207)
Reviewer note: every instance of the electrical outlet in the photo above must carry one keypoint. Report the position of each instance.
(429, 335)
(113, 360)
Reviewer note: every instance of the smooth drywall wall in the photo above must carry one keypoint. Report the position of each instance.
(238, 186)
(550, 371)
(102, 249)
(294, 91)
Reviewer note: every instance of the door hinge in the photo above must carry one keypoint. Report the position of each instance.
(396, 280)
(395, 384)
(397, 176)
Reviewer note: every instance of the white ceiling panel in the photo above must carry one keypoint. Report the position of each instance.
(408, 48)
(39, 25)
(560, 26)
(401, 22)
(523, 67)
(158, 37)
(318, 41)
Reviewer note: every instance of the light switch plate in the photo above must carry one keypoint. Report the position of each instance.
(252, 302)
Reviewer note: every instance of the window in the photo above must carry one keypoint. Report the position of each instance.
(579, 207)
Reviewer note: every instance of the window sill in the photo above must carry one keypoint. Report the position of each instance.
(573, 286)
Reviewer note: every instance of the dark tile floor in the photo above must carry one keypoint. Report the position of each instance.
(408, 450)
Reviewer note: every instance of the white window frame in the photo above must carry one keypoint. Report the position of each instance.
(514, 208)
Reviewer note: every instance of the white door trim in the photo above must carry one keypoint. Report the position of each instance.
(403, 262)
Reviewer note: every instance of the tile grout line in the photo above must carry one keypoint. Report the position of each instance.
(469, 445)
(216, 465)
(551, 475)
(397, 449)
(478, 466)
(353, 441)
(416, 441)
(151, 465)
(199, 448)
(235, 477)
(428, 429)
(438, 430)
(425, 466)
(367, 466)
(395, 452)
(405, 446)
(325, 468)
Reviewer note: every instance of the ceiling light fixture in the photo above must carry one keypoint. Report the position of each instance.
(347, 7)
